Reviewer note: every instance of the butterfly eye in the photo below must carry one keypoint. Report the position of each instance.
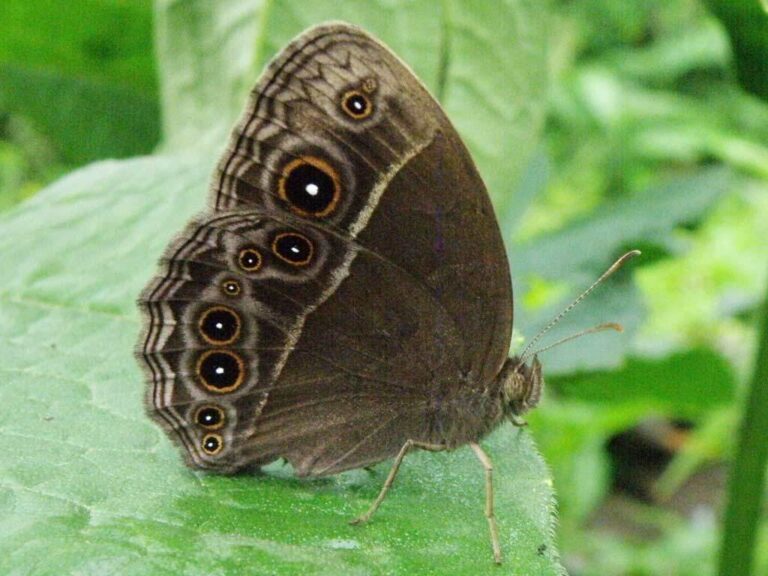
(210, 416)
(356, 105)
(293, 248)
(231, 287)
(220, 371)
(219, 325)
(310, 186)
(212, 444)
(249, 259)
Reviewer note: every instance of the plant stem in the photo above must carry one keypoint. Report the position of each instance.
(747, 477)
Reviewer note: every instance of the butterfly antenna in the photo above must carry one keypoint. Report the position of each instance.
(613, 268)
(594, 330)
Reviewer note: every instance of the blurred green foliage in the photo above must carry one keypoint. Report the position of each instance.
(746, 23)
(645, 92)
(77, 83)
(656, 135)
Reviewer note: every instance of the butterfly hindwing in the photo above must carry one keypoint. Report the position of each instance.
(231, 298)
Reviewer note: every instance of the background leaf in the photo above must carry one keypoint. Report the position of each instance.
(685, 382)
(484, 62)
(64, 67)
(575, 255)
(747, 25)
(206, 58)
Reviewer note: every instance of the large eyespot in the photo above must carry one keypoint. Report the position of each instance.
(220, 371)
(310, 186)
(249, 259)
(356, 105)
(231, 287)
(212, 444)
(219, 325)
(293, 248)
(210, 416)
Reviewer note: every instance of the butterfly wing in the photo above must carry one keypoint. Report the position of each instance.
(344, 160)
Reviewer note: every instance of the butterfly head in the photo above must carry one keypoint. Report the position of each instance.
(521, 384)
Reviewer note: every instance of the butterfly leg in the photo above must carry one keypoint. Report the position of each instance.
(488, 466)
(409, 444)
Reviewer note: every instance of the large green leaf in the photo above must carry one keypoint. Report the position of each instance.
(92, 487)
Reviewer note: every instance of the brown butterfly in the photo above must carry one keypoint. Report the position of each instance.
(347, 297)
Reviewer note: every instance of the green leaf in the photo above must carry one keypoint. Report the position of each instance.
(747, 25)
(673, 56)
(684, 383)
(495, 82)
(70, 112)
(92, 486)
(746, 486)
(572, 437)
(650, 216)
(66, 67)
(414, 30)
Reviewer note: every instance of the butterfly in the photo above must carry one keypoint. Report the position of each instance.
(347, 296)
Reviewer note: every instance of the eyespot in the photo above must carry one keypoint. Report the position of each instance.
(220, 371)
(212, 444)
(231, 287)
(219, 325)
(293, 248)
(249, 259)
(210, 416)
(310, 186)
(369, 85)
(356, 104)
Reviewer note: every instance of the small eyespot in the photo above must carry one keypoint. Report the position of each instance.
(310, 186)
(210, 417)
(293, 248)
(356, 105)
(220, 371)
(249, 259)
(231, 287)
(370, 85)
(219, 325)
(212, 444)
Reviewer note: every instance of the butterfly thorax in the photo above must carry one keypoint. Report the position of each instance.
(468, 416)
(473, 412)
